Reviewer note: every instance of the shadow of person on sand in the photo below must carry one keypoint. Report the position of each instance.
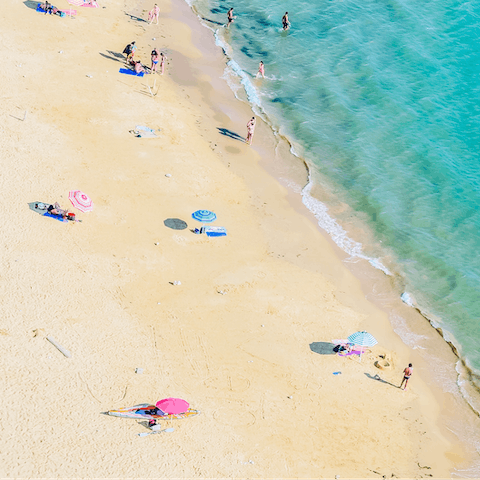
(134, 17)
(30, 4)
(229, 133)
(380, 379)
(116, 57)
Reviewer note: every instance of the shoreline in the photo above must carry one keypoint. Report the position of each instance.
(411, 312)
(467, 372)
(241, 358)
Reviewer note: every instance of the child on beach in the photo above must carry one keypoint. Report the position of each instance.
(250, 130)
(261, 70)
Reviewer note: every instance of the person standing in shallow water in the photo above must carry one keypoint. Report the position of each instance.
(250, 131)
(407, 373)
(230, 17)
(261, 70)
(285, 22)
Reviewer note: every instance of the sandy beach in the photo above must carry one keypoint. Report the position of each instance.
(237, 337)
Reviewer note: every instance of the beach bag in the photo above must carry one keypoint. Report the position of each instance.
(128, 49)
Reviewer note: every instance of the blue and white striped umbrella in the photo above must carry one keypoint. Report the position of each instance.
(205, 216)
(363, 339)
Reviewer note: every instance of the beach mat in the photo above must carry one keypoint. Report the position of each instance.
(56, 217)
(215, 231)
(81, 3)
(140, 412)
(127, 71)
(145, 132)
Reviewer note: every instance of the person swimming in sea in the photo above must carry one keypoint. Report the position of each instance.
(285, 22)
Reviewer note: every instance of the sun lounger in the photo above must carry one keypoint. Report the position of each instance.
(215, 231)
(127, 71)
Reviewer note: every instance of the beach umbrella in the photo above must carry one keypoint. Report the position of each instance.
(204, 216)
(172, 405)
(363, 339)
(80, 200)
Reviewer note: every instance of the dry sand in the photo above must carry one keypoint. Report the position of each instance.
(234, 338)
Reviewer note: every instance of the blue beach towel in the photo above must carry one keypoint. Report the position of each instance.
(127, 71)
(56, 217)
(215, 231)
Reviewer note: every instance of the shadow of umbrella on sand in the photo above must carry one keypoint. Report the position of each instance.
(40, 211)
(30, 4)
(323, 348)
(175, 223)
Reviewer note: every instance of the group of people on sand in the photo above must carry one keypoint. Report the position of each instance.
(158, 59)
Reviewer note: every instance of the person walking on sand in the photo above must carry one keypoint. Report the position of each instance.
(155, 59)
(163, 57)
(250, 131)
(407, 373)
(153, 14)
(261, 70)
(230, 17)
(285, 22)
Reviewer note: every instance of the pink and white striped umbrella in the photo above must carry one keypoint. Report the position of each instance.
(80, 200)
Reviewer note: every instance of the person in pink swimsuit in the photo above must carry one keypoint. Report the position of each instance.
(250, 130)
(153, 14)
(261, 70)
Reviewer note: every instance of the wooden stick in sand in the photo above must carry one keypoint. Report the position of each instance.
(59, 347)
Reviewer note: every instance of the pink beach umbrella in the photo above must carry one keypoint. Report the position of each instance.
(80, 200)
(172, 405)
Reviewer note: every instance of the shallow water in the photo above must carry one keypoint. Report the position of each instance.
(381, 99)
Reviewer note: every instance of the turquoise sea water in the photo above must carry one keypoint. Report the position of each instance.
(382, 100)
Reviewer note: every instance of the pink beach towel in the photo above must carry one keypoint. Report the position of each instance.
(69, 12)
(83, 3)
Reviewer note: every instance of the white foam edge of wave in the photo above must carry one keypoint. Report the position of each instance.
(335, 230)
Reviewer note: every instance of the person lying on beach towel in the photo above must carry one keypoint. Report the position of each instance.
(56, 209)
(47, 7)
